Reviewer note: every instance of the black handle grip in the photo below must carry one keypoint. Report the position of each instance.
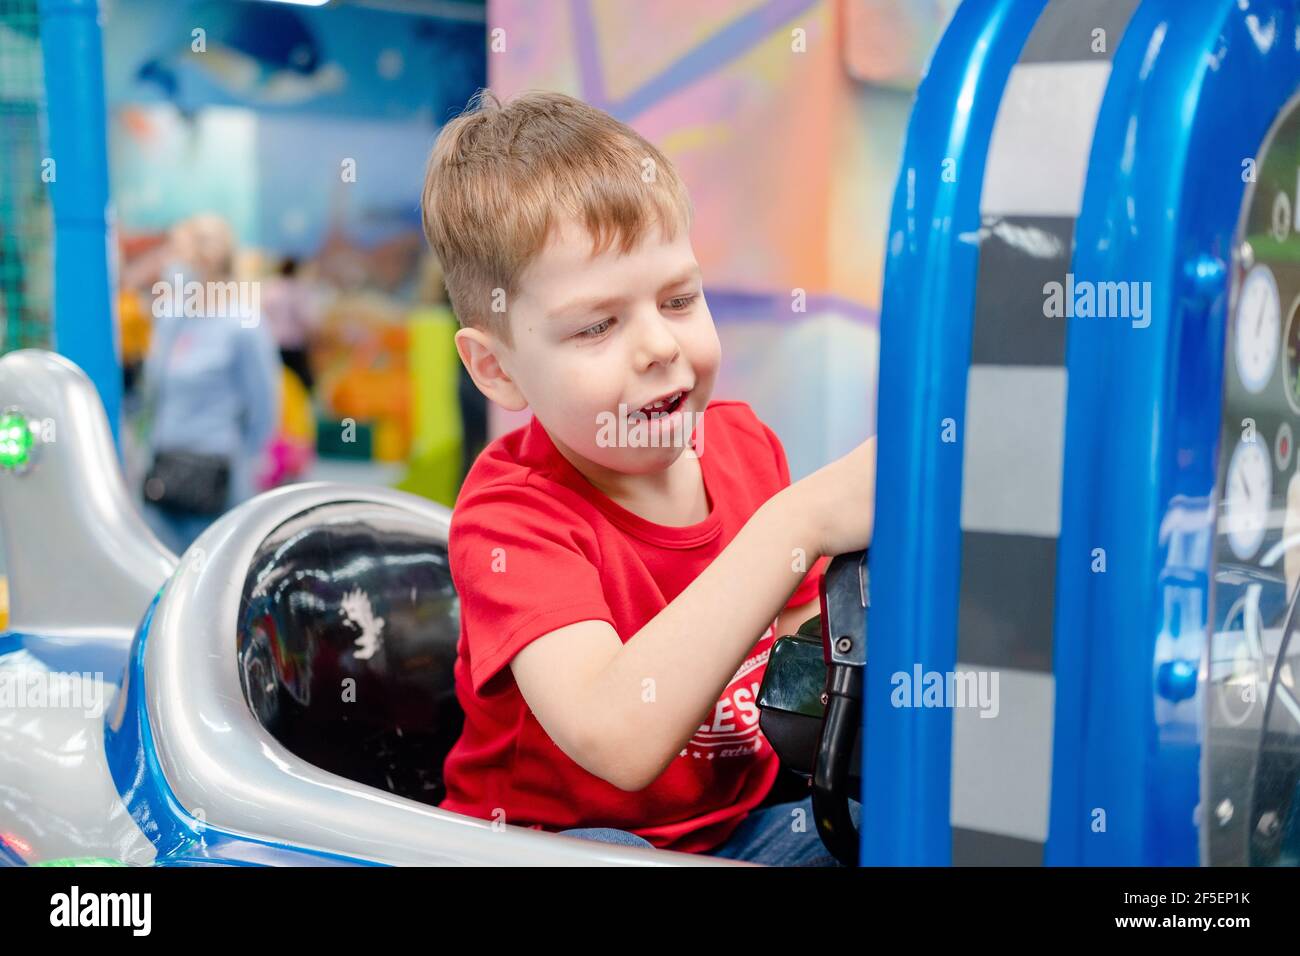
(830, 783)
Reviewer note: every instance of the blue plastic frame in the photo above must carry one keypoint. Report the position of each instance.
(925, 340)
(1142, 423)
(85, 324)
(1191, 97)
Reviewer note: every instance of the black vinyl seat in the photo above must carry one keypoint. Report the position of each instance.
(347, 641)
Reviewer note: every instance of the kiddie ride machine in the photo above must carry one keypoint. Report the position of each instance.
(280, 694)
(1084, 567)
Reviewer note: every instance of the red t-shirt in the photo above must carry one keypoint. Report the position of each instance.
(534, 547)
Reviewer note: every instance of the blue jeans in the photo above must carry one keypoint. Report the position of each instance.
(783, 834)
(176, 531)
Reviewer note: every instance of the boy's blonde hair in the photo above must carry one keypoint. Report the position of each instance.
(500, 174)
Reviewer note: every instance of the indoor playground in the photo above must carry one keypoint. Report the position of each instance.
(1046, 251)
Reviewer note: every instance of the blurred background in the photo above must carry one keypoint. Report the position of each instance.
(283, 144)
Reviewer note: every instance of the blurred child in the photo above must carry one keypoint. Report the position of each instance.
(293, 315)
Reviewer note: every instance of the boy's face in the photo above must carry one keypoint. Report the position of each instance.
(599, 337)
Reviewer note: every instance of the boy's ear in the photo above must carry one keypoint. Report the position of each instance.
(478, 351)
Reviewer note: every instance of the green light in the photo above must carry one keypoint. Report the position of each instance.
(15, 441)
(82, 861)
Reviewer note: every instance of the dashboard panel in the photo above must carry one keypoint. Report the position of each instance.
(1253, 720)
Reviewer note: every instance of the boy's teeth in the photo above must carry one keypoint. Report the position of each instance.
(663, 403)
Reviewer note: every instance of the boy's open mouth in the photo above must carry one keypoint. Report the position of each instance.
(660, 408)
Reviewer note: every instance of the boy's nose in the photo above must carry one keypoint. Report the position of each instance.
(656, 344)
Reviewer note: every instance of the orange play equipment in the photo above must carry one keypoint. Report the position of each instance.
(362, 351)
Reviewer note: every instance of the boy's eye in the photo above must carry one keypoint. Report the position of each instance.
(596, 331)
(681, 303)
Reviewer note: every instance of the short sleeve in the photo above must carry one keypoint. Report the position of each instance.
(524, 564)
(808, 589)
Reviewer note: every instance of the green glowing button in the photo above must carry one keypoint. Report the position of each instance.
(15, 441)
(81, 861)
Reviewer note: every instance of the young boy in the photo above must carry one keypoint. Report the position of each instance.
(624, 561)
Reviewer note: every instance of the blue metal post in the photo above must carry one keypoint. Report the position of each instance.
(85, 324)
(1188, 100)
(925, 330)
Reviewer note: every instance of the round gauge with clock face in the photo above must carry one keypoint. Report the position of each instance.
(1248, 497)
(1238, 673)
(1254, 816)
(1258, 328)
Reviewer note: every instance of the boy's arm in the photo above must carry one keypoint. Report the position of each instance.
(623, 711)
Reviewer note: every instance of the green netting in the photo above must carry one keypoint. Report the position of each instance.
(25, 224)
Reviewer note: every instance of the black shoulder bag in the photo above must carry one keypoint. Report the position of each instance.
(184, 482)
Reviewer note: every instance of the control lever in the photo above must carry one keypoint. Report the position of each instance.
(845, 598)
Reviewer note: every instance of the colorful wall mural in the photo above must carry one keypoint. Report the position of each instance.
(345, 60)
(253, 108)
(788, 137)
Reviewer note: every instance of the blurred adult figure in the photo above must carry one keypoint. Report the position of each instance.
(293, 314)
(212, 384)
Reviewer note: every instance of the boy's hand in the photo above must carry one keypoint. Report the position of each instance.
(839, 501)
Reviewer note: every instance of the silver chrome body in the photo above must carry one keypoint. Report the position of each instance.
(82, 567)
(224, 767)
(83, 571)
(56, 793)
(80, 557)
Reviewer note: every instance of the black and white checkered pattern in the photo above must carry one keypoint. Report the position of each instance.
(1015, 428)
